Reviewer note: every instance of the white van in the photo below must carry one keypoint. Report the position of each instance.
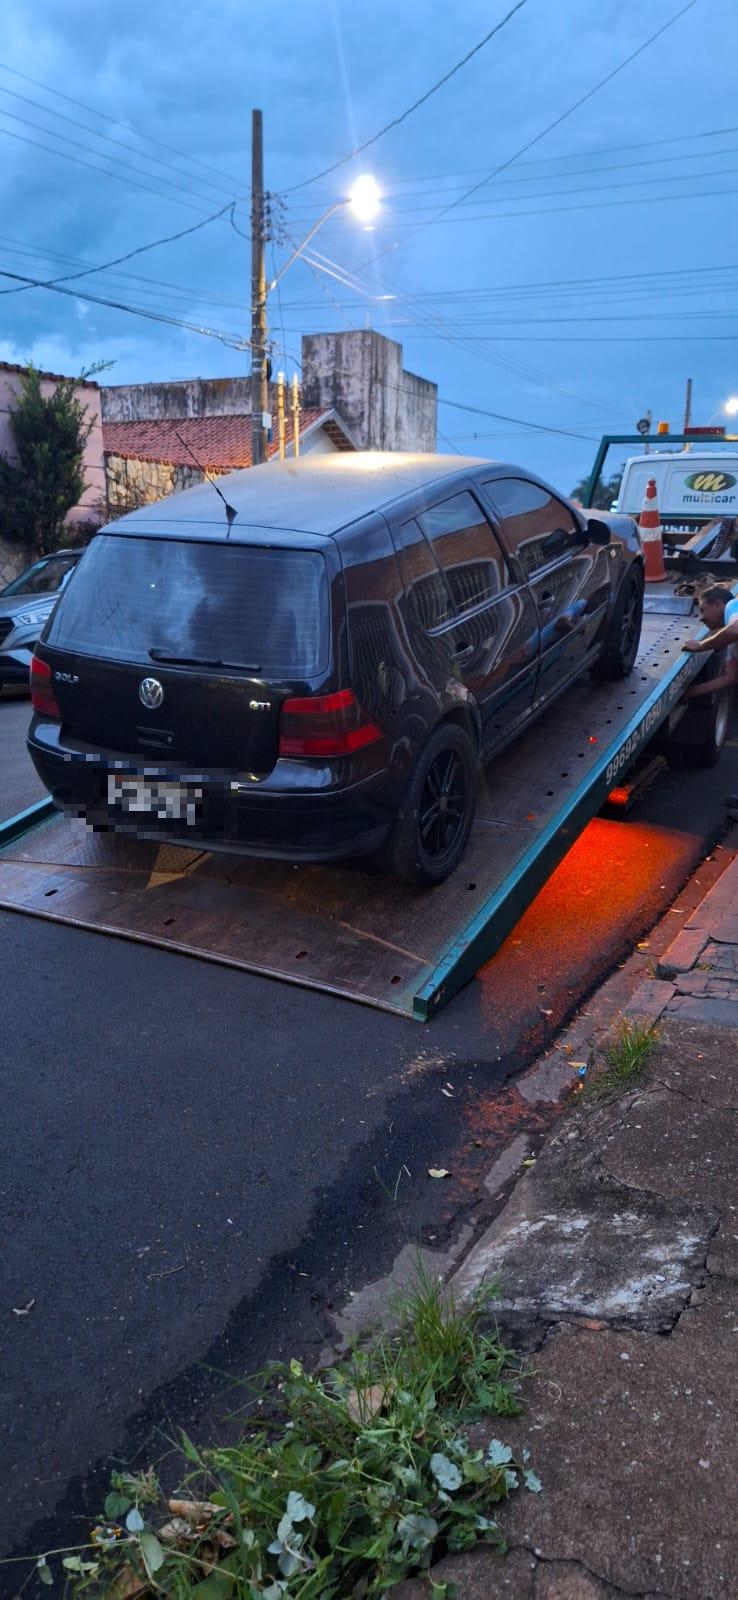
(693, 486)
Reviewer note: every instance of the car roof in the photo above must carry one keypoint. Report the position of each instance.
(315, 496)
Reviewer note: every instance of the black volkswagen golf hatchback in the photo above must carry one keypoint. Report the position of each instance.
(323, 673)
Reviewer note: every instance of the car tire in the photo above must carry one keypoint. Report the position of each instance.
(620, 644)
(715, 718)
(716, 733)
(429, 837)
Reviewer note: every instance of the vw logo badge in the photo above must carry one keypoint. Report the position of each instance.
(150, 693)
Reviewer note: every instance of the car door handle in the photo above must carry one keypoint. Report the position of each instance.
(462, 650)
(546, 600)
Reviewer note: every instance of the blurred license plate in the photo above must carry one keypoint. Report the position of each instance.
(155, 797)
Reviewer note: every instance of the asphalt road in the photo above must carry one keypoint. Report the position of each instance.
(19, 785)
(199, 1163)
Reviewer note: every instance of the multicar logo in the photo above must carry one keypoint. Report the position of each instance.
(710, 482)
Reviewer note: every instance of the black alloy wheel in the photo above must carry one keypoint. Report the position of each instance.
(442, 806)
(630, 629)
(620, 645)
(434, 820)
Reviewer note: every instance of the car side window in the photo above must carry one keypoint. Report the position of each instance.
(537, 527)
(423, 581)
(466, 550)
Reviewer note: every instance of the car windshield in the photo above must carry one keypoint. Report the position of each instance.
(143, 599)
(44, 577)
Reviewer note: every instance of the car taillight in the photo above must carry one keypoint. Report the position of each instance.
(325, 725)
(43, 698)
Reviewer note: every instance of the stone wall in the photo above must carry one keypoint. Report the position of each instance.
(138, 483)
(13, 558)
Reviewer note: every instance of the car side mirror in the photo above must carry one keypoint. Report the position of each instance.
(555, 544)
(599, 532)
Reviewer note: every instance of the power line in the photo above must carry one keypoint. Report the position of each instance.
(140, 250)
(76, 144)
(235, 342)
(549, 129)
(395, 123)
(101, 171)
(392, 214)
(413, 228)
(471, 348)
(573, 285)
(389, 196)
(571, 155)
(17, 247)
(238, 230)
(572, 108)
(614, 338)
(555, 211)
(74, 122)
(146, 138)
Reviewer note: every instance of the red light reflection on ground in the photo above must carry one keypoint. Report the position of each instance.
(614, 882)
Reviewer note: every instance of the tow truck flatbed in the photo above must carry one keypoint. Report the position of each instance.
(347, 929)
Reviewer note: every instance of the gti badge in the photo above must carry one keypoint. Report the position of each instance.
(150, 693)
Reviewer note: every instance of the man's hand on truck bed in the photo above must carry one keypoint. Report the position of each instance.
(714, 641)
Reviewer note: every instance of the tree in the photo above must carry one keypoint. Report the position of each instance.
(605, 493)
(46, 479)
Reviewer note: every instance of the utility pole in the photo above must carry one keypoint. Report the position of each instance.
(259, 379)
(688, 406)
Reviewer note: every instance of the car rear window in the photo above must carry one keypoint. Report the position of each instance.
(235, 603)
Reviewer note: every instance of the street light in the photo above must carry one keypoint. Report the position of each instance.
(363, 200)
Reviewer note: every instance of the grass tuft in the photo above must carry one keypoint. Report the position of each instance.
(625, 1058)
(344, 1483)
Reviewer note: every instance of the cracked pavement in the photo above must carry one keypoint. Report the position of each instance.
(617, 1256)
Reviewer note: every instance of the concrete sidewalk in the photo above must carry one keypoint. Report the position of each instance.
(617, 1255)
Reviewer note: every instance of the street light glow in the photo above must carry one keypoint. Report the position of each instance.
(731, 406)
(364, 198)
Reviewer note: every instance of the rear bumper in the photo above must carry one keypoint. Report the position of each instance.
(313, 814)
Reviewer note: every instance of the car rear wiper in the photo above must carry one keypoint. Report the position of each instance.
(205, 661)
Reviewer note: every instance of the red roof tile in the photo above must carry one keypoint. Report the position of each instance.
(56, 377)
(218, 444)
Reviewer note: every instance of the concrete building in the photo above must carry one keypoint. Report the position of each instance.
(13, 557)
(358, 375)
(361, 374)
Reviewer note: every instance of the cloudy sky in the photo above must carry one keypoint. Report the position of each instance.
(575, 289)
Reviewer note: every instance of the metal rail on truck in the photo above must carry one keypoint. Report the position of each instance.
(347, 929)
(660, 441)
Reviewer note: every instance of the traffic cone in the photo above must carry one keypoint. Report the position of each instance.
(649, 524)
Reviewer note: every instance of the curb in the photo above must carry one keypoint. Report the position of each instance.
(679, 986)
